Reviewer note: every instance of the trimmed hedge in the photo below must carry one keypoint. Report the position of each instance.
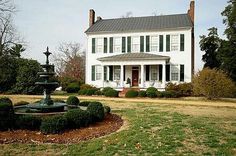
(88, 92)
(98, 92)
(28, 122)
(104, 90)
(131, 94)
(72, 100)
(73, 88)
(7, 116)
(96, 110)
(142, 93)
(77, 118)
(111, 93)
(53, 125)
(151, 92)
(84, 103)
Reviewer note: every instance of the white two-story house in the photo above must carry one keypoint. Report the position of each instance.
(145, 51)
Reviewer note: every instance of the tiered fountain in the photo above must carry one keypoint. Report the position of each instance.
(46, 105)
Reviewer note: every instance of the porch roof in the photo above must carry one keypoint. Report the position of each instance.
(134, 57)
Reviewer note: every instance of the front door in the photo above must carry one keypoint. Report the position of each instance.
(134, 77)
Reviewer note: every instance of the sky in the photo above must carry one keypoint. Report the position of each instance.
(45, 23)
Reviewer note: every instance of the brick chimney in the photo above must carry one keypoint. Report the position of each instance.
(91, 17)
(191, 10)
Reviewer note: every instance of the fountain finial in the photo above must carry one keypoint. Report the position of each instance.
(47, 53)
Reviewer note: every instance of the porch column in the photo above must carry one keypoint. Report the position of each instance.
(121, 76)
(142, 76)
(164, 75)
(102, 76)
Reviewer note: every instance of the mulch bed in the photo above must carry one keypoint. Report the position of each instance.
(111, 123)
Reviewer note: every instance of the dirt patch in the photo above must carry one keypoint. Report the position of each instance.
(111, 123)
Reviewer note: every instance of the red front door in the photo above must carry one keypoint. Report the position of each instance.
(134, 77)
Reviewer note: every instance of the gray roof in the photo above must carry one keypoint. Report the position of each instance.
(141, 23)
(134, 57)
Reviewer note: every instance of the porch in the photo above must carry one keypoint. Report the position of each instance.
(137, 70)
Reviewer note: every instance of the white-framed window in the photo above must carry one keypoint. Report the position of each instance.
(99, 45)
(154, 43)
(117, 44)
(98, 71)
(174, 42)
(174, 73)
(153, 72)
(116, 72)
(136, 44)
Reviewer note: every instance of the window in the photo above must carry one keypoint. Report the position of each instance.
(168, 43)
(174, 42)
(123, 45)
(181, 42)
(116, 72)
(135, 44)
(129, 44)
(99, 45)
(93, 45)
(98, 71)
(117, 44)
(153, 72)
(174, 73)
(182, 72)
(141, 43)
(111, 44)
(105, 72)
(154, 43)
(105, 45)
(147, 43)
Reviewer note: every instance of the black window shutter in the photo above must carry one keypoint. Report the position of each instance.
(123, 44)
(147, 43)
(181, 42)
(105, 73)
(111, 73)
(161, 43)
(93, 73)
(111, 45)
(167, 42)
(124, 74)
(167, 72)
(141, 43)
(93, 45)
(147, 72)
(160, 72)
(105, 45)
(182, 72)
(129, 44)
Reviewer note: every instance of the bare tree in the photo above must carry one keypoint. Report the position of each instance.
(70, 62)
(128, 15)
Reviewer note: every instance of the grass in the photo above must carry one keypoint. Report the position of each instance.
(153, 129)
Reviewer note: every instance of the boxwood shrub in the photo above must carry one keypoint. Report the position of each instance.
(84, 103)
(7, 116)
(111, 93)
(53, 124)
(96, 110)
(77, 118)
(72, 88)
(98, 92)
(142, 93)
(72, 100)
(151, 92)
(104, 90)
(28, 122)
(82, 92)
(131, 94)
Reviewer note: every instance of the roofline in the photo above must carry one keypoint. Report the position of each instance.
(134, 31)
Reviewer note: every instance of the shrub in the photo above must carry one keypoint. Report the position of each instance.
(160, 94)
(53, 125)
(107, 109)
(111, 93)
(59, 101)
(183, 89)
(91, 91)
(104, 90)
(72, 100)
(151, 92)
(73, 88)
(98, 92)
(20, 103)
(6, 114)
(213, 83)
(96, 110)
(86, 86)
(77, 118)
(131, 94)
(169, 94)
(28, 122)
(84, 103)
(82, 92)
(142, 93)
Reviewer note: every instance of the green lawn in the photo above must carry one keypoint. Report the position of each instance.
(153, 129)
